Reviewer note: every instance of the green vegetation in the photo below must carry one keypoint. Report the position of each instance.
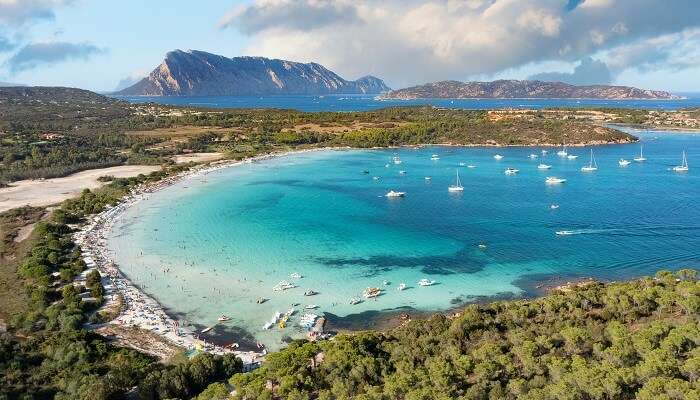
(619, 341)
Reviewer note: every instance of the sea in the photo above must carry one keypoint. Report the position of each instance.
(216, 244)
(349, 103)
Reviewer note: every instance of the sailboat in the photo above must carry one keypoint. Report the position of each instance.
(641, 157)
(684, 165)
(456, 187)
(592, 165)
(562, 152)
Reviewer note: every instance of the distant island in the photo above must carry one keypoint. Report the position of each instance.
(198, 73)
(515, 89)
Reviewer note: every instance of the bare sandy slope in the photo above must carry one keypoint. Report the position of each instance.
(197, 157)
(52, 191)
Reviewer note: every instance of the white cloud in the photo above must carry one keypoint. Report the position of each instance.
(19, 12)
(414, 41)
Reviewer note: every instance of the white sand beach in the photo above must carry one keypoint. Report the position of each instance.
(44, 192)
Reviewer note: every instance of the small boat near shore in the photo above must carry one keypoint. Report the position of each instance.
(624, 163)
(372, 292)
(295, 275)
(310, 293)
(498, 157)
(355, 300)
(544, 166)
(223, 318)
(275, 318)
(511, 171)
(283, 285)
(426, 282)
(401, 286)
(564, 233)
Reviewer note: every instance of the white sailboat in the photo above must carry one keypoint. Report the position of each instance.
(592, 165)
(457, 187)
(641, 157)
(544, 166)
(562, 152)
(684, 165)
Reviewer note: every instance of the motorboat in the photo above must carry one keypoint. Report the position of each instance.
(564, 233)
(544, 166)
(462, 164)
(375, 178)
(624, 163)
(402, 172)
(311, 306)
(545, 151)
(553, 180)
(223, 318)
(533, 156)
(295, 275)
(498, 157)
(393, 194)
(511, 171)
(435, 157)
(310, 293)
(562, 152)
(426, 282)
(401, 286)
(355, 300)
(471, 166)
(554, 206)
(371, 292)
(572, 157)
(283, 285)
(684, 165)
(396, 160)
(427, 178)
(386, 283)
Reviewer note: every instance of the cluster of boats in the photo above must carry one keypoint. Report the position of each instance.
(592, 166)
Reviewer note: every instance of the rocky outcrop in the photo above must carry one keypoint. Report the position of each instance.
(197, 73)
(515, 89)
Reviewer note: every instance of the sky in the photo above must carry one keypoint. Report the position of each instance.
(96, 44)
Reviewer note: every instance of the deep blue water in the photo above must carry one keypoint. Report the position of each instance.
(229, 237)
(365, 102)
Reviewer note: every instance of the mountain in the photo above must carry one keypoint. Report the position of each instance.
(8, 84)
(197, 73)
(515, 89)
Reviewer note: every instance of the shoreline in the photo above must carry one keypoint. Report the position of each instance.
(140, 310)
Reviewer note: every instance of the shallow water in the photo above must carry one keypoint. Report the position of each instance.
(227, 239)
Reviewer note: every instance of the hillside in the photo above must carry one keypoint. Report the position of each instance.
(514, 89)
(197, 73)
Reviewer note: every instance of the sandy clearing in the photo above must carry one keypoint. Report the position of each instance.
(197, 157)
(41, 193)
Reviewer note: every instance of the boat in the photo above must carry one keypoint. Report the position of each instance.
(223, 318)
(308, 320)
(554, 206)
(435, 157)
(562, 152)
(592, 165)
(261, 300)
(684, 165)
(544, 166)
(365, 172)
(393, 194)
(572, 157)
(371, 292)
(275, 318)
(425, 282)
(396, 160)
(482, 245)
(471, 166)
(205, 330)
(498, 157)
(402, 172)
(386, 283)
(311, 306)
(427, 178)
(386, 165)
(310, 293)
(283, 285)
(553, 180)
(533, 156)
(565, 233)
(401, 286)
(376, 178)
(511, 171)
(623, 162)
(355, 300)
(545, 151)
(462, 164)
(641, 157)
(295, 275)
(457, 187)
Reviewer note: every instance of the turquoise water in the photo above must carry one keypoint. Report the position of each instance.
(227, 239)
(368, 102)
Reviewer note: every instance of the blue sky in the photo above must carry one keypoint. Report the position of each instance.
(94, 44)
